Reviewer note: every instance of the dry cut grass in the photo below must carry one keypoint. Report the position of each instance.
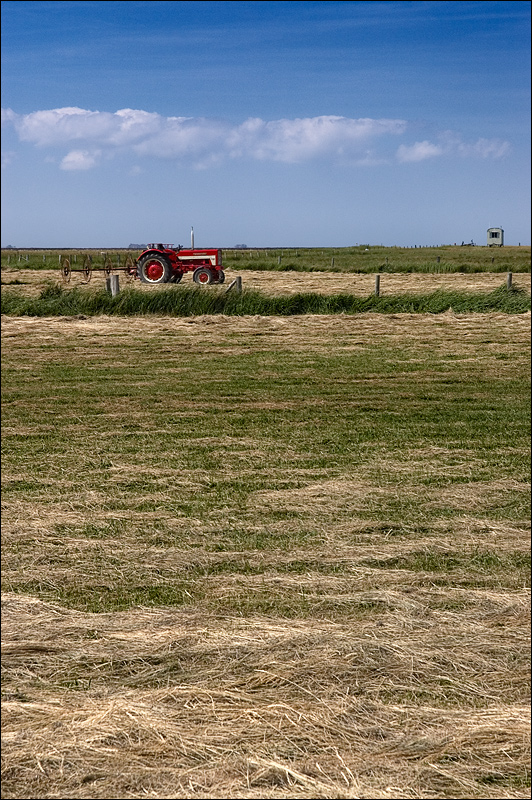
(357, 652)
(168, 703)
(281, 283)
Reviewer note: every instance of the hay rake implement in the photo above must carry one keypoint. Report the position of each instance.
(129, 268)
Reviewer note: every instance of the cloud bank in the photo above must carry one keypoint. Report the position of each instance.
(90, 137)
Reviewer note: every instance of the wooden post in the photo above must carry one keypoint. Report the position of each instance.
(509, 280)
(377, 285)
(112, 285)
(279, 260)
(332, 262)
(237, 284)
(437, 259)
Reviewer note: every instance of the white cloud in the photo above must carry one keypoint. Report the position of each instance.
(204, 142)
(7, 158)
(452, 144)
(419, 151)
(63, 125)
(294, 140)
(179, 137)
(486, 148)
(80, 159)
(8, 115)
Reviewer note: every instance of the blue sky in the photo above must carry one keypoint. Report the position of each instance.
(264, 123)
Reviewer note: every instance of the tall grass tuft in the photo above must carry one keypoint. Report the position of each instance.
(184, 302)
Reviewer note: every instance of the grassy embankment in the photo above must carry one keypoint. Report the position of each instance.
(189, 301)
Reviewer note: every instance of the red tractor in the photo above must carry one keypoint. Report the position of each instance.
(164, 263)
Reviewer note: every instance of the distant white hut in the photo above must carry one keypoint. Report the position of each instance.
(495, 237)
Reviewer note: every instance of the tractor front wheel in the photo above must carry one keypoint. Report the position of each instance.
(203, 276)
(221, 276)
(154, 269)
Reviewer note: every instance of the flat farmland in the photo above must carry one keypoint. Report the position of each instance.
(291, 271)
(266, 557)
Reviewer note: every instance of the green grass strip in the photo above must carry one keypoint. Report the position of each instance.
(184, 302)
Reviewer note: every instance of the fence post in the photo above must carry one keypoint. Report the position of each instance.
(237, 283)
(509, 280)
(377, 285)
(112, 285)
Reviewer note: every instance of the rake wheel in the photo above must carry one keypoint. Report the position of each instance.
(87, 268)
(130, 269)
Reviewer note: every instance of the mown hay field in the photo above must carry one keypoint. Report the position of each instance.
(32, 282)
(266, 557)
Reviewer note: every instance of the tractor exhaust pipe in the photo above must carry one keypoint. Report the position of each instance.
(192, 238)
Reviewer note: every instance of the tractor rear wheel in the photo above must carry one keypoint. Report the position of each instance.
(154, 269)
(203, 276)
